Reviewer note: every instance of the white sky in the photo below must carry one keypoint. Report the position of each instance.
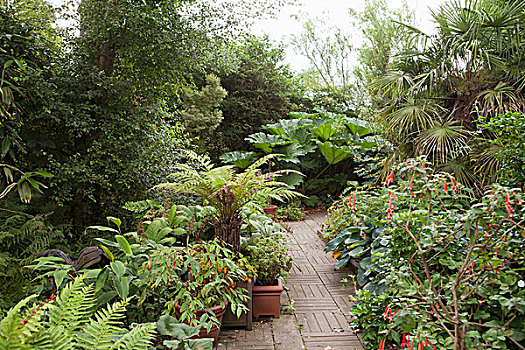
(334, 12)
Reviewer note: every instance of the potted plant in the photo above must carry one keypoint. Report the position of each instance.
(228, 192)
(202, 283)
(269, 257)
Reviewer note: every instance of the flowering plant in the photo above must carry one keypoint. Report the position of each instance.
(198, 277)
(451, 265)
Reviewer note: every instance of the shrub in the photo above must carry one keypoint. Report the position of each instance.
(269, 256)
(450, 266)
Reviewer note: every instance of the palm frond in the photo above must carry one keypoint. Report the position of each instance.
(412, 116)
(486, 163)
(443, 141)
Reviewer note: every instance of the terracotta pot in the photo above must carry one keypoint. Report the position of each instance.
(270, 210)
(267, 300)
(214, 331)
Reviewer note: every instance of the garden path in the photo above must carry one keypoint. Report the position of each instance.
(322, 308)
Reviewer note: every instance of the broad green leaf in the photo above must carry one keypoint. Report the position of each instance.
(240, 159)
(59, 276)
(101, 279)
(358, 127)
(334, 153)
(324, 131)
(172, 215)
(169, 325)
(118, 268)
(102, 228)
(123, 244)
(108, 253)
(44, 173)
(114, 220)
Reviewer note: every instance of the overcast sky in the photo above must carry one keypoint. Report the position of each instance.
(334, 12)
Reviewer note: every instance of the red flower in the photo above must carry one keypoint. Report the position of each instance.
(404, 342)
(446, 187)
(430, 343)
(350, 200)
(382, 345)
(353, 205)
(385, 314)
(389, 179)
(508, 207)
(454, 184)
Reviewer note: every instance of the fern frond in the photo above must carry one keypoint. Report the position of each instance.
(138, 337)
(53, 339)
(104, 328)
(73, 306)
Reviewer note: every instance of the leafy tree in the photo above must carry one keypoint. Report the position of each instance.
(260, 91)
(201, 115)
(92, 116)
(329, 50)
(384, 38)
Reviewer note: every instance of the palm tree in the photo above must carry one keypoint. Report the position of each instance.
(471, 70)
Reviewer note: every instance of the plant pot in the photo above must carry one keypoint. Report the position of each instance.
(214, 331)
(245, 320)
(267, 300)
(270, 210)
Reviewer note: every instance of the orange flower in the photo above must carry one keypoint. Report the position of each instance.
(336, 255)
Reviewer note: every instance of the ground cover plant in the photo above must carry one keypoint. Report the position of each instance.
(437, 266)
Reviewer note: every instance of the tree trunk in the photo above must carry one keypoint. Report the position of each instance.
(228, 230)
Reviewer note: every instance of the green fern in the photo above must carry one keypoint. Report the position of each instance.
(228, 192)
(68, 323)
(21, 237)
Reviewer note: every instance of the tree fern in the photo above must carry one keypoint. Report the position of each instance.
(228, 192)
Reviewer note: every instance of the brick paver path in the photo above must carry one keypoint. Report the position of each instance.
(322, 308)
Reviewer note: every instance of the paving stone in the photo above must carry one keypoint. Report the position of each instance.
(322, 307)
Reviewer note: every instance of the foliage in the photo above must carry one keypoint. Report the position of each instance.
(324, 146)
(228, 192)
(439, 94)
(22, 236)
(450, 268)
(169, 326)
(269, 256)
(98, 104)
(201, 114)
(256, 222)
(384, 39)
(70, 321)
(509, 131)
(328, 50)
(260, 91)
(292, 211)
(199, 277)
